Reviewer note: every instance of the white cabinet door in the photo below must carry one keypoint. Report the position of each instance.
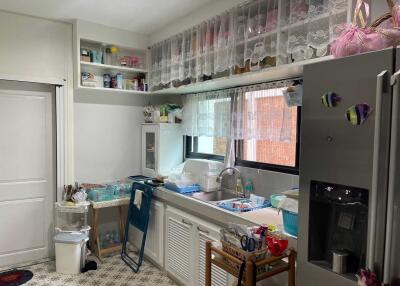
(179, 246)
(171, 147)
(150, 143)
(154, 247)
(206, 232)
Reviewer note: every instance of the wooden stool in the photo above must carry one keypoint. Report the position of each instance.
(122, 214)
(278, 266)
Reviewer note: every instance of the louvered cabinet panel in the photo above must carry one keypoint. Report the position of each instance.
(179, 248)
(218, 277)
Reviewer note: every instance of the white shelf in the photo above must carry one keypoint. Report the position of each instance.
(114, 68)
(116, 90)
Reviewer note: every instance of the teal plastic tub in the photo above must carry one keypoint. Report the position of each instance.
(290, 222)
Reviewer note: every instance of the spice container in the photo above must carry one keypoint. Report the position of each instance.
(106, 81)
(107, 56)
(113, 82)
(120, 80)
(85, 55)
(114, 55)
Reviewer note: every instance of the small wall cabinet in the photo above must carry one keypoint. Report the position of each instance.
(185, 246)
(162, 148)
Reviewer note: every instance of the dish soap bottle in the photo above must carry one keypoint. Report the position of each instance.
(248, 187)
(239, 188)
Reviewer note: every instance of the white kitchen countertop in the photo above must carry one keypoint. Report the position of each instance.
(263, 216)
(221, 216)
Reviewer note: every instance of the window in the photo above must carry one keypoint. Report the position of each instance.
(279, 121)
(268, 130)
(206, 147)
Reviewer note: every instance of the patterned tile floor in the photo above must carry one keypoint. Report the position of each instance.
(111, 272)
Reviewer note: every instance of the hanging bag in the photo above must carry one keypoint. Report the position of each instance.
(357, 37)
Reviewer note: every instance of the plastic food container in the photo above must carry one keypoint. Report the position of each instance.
(275, 199)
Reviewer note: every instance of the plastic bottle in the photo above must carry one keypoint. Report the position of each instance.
(239, 187)
(248, 187)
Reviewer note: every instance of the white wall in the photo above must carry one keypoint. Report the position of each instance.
(107, 141)
(39, 50)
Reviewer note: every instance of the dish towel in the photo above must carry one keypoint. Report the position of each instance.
(138, 198)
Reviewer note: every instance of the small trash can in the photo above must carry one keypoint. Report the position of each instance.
(69, 252)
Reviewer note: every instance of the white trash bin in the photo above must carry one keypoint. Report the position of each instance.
(69, 252)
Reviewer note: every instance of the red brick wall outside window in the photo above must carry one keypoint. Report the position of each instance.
(274, 152)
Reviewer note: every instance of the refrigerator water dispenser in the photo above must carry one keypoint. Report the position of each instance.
(338, 224)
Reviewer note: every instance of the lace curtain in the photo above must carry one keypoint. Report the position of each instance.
(207, 114)
(311, 25)
(244, 113)
(247, 38)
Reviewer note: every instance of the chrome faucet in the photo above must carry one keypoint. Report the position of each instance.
(239, 188)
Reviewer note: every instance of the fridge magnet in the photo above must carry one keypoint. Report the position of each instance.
(358, 113)
(330, 99)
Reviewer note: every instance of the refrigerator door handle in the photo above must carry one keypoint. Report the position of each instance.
(380, 87)
(395, 82)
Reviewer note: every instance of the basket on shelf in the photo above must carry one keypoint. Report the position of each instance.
(359, 37)
(244, 255)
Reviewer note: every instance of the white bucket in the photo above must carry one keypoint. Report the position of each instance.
(69, 252)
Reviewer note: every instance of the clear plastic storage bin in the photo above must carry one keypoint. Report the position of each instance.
(72, 217)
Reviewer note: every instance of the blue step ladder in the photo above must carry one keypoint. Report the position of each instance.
(139, 218)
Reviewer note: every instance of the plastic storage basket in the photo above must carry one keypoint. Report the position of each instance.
(111, 192)
(290, 222)
(185, 190)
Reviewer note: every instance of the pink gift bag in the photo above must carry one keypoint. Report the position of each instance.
(356, 38)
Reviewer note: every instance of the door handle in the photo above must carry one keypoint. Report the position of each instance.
(186, 222)
(202, 230)
(394, 138)
(380, 85)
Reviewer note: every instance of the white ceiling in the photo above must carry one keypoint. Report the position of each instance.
(142, 16)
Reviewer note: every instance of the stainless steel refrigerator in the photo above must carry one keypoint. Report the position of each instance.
(349, 172)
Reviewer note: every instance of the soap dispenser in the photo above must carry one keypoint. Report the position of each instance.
(239, 188)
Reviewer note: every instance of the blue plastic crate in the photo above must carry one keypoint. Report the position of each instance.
(290, 222)
(188, 189)
(229, 206)
(100, 194)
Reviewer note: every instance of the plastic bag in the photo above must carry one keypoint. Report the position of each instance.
(358, 38)
(180, 178)
(290, 205)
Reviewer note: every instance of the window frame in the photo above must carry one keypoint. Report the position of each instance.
(196, 155)
(244, 163)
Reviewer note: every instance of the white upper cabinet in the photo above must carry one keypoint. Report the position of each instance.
(162, 148)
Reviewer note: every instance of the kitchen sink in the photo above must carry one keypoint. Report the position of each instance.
(214, 196)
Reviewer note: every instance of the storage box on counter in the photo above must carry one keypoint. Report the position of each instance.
(109, 192)
(205, 172)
